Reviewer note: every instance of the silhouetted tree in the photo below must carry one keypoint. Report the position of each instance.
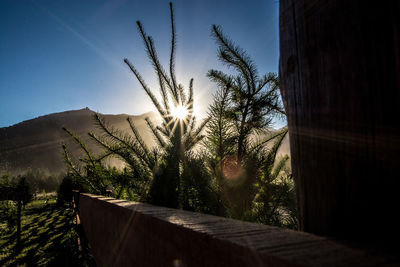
(274, 199)
(22, 195)
(243, 167)
(17, 190)
(253, 100)
(221, 140)
(65, 190)
(93, 176)
(176, 136)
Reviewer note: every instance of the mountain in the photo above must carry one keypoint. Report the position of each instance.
(36, 143)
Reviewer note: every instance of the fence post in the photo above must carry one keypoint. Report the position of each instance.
(340, 81)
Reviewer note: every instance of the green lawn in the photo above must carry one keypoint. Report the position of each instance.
(48, 238)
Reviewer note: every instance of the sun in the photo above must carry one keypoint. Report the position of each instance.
(179, 112)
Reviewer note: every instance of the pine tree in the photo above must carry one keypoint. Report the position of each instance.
(221, 140)
(91, 173)
(176, 136)
(274, 199)
(244, 107)
(254, 100)
(89, 169)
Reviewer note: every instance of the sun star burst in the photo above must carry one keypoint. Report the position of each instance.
(179, 112)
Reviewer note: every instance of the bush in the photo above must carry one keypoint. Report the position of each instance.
(64, 192)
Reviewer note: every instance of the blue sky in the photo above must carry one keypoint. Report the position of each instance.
(59, 55)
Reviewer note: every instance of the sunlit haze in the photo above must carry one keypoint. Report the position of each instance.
(179, 112)
(65, 55)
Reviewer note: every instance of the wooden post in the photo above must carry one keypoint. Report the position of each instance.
(340, 81)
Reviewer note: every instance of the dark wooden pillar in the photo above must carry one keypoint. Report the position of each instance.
(340, 80)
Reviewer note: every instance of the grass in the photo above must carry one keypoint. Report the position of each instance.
(48, 238)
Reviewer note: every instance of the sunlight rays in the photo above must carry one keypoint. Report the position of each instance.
(180, 115)
(179, 112)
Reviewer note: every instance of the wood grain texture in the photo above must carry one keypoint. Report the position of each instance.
(340, 81)
(125, 233)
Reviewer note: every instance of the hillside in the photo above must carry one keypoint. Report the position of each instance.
(36, 143)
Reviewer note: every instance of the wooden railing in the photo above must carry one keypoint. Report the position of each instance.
(125, 233)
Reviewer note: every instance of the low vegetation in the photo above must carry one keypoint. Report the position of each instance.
(48, 237)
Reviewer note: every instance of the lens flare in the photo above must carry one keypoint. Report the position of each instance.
(231, 168)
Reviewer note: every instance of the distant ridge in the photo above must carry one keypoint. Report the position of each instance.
(36, 143)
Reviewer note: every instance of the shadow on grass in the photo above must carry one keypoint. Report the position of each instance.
(48, 239)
